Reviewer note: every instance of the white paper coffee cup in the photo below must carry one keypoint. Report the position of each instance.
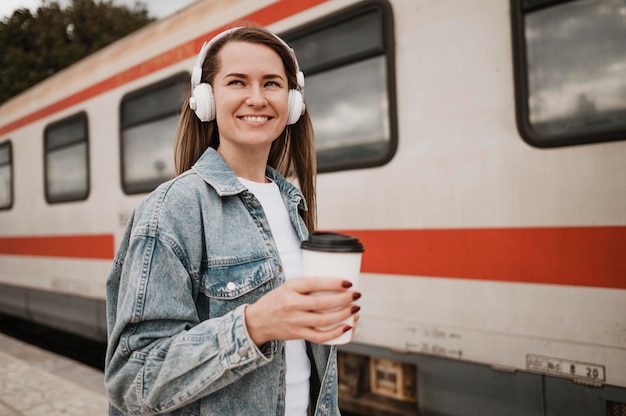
(327, 254)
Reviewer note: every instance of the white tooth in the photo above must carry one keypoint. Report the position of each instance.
(255, 119)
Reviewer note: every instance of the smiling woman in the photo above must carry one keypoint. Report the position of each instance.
(250, 319)
(478, 245)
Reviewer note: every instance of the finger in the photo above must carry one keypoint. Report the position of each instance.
(324, 301)
(327, 319)
(319, 336)
(308, 284)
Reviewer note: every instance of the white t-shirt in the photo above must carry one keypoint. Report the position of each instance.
(288, 244)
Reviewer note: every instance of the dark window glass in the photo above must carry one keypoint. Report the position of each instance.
(6, 175)
(148, 123)
(67, 159)
(348, 60)
(572, 77)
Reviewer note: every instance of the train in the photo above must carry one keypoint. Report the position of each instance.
(476, 148)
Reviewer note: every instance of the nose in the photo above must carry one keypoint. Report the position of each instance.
(256, 98)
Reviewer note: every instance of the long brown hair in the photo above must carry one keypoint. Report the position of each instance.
(292, 153)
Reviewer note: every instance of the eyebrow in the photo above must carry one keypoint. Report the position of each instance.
(237, 75)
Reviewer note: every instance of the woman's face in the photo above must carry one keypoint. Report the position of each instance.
(251, 96)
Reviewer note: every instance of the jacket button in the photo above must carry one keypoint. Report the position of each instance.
(243, 352)
(231, 286)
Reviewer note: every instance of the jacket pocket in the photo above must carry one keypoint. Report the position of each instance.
(229, 284)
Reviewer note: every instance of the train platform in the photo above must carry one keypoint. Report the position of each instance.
(35, 382)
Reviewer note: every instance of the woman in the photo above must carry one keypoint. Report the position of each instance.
(207, 311)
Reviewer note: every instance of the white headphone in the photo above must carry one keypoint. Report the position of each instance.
(203, 102)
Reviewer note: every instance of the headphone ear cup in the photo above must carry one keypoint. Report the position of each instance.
(296, 106)
(202, 102)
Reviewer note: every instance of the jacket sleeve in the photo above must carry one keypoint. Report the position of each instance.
(160, 356)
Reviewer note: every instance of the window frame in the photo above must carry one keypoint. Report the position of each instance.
(180, 77)
(387, 52)
(519, 10)
(82, 115)
(11, 163)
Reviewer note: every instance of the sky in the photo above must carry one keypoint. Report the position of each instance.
(156, 8)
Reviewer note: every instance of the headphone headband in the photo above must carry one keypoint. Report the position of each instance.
(196, 75)
(202, 101)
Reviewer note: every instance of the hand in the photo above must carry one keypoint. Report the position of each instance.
(291, 311)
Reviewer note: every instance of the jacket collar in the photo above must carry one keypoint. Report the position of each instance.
(212, 168)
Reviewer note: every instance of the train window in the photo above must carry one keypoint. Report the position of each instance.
(148, 120)
(6, 175)
(570, 69)
(66, 159)
(355, 126)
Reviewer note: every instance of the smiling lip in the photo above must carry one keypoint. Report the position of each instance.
(255, 119)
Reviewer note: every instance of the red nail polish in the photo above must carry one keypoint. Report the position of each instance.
(347, 328)
(356, 296)
(347, 284)
(355, 309)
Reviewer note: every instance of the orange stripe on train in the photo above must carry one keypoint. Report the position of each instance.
(577, 256)
(70, 246)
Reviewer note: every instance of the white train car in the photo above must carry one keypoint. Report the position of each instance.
(476, 147)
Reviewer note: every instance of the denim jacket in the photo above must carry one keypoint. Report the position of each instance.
(195, 252)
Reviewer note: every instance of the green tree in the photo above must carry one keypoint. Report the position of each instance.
(34, 46)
